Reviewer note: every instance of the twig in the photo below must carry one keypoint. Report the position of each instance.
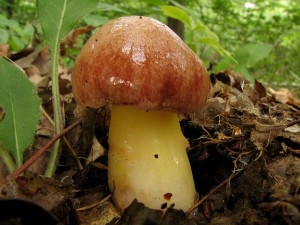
(293, 123)
(211, 192)
(80, 167)
(43, 149)
(294, 151)
(65, 139)
(95, 204)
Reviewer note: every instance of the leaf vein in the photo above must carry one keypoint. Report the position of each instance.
(18, 158)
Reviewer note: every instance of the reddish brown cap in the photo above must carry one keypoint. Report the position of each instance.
(139, 61)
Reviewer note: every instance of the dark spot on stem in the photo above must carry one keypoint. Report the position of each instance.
(156, 156)
(164, 205)
(168, 196)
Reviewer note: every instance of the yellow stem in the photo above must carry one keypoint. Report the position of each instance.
(148, 160)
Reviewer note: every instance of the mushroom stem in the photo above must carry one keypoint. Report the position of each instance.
(147, 159)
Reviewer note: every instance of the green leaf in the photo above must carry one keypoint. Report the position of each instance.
(190, 11)
(16, 43)
(15, 26)
(177, 13)
(224, 64)
(243, 70)
(4, 22)
(250, 54)
(200, 26)
(95, 20)
(28, 32)
(111, 8)
(246, 56)
(58, 17)
(3, 36)
(213, 41)
(156, 2)
(21, 104)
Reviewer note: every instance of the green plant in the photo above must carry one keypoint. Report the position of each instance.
(57, 19)
(15, 34)
(20, 103)
(17, 128)
(246, 56)
(271, 22)
(199, 32)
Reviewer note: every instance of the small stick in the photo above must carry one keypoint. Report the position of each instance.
(295, 151)
(21, 169)
(65, 139)
(293, 123)
(211, 192)
(94, 204)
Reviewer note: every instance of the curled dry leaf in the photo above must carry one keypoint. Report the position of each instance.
(285, 96)
(70, 40)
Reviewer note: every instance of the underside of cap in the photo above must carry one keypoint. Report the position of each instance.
(139, 61)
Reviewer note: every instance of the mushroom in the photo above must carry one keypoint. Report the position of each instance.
(147, 74)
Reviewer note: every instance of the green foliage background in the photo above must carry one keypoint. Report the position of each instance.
(232, 26)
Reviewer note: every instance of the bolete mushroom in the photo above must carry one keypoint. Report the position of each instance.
(147, 74)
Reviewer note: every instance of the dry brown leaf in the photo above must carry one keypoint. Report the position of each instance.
(46, 192)
(4, 50)
(285, 96)
(70, 40)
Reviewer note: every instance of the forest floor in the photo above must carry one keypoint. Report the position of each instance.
(244, 152)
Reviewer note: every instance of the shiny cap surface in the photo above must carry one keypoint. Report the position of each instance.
(139, 61)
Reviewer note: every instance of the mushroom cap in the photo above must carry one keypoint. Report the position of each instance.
(139, 61)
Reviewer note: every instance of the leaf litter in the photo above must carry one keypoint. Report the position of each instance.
(244, 152)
